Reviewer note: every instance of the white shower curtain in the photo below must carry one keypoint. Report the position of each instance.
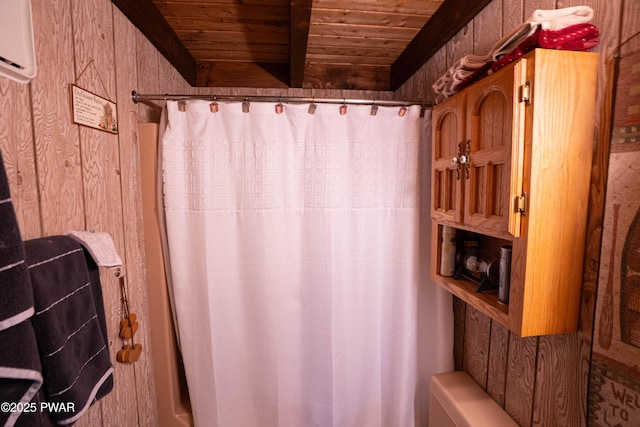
(299, 265)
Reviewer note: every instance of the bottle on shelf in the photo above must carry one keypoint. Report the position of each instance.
(505, 274)
(448, 253)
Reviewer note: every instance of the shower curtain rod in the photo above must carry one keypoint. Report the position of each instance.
(137, 97)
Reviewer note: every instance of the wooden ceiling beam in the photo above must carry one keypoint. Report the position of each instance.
(148, 19)
(450, 18)
(299, 36)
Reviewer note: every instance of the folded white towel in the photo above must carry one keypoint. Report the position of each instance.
(558, 19)
(446, 85)
(99, 245)
(471, 62)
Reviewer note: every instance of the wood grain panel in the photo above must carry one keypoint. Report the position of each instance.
(363, 32)
(300, 17)
(190, 36)
(184, 30)
(318, 40)
(531, 5)
(435, 34)
(150, 21)
(521, 371)
(407, 90)
(487, 28)
(243, 74)
(79, 170)
(343, 77)
(94, 48)
(57, 161)
(460, 44)
(325, 59)
(204, 49)
(384, 19)
(394, 6)
(556, 394)
(566, 401)
(420, 86)
(276, 3)
(147, 78)
(607, 19)
(498, 359)
(16, 144)
(180, 24)
(459, 316)
(134, 249)
(221, 13)
(477, 334)
(57, 144)
(171, 79)
(512, 16)
(266, 54)
(436, 66)
(630, 26)
(342, 55)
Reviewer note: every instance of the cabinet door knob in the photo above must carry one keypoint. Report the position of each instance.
(463, 159)
(454, 160)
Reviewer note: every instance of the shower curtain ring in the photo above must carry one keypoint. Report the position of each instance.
(374, 108)
(312, 106)
(343, 107)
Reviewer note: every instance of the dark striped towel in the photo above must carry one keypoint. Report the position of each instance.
(20, 374)
(70, 326)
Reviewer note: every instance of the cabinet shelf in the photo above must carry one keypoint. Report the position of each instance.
(485, 302)
(517, 171)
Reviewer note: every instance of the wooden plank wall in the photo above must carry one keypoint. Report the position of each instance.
(540, 381)
(65, 176)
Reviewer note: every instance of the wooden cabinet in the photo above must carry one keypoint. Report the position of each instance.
(472, 154)
(512, 162)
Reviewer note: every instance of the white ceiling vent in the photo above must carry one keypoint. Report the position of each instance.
(17, 52)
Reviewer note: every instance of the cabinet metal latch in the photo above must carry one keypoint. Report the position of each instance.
(520, 204)
(525, 92)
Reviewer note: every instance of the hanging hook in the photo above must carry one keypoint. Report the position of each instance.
(374, 108)
(402, 111)
(279, 106)
(312, 106)
(245, 105)
(343, 107)
(214, 106)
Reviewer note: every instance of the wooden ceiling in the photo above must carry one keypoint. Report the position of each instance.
(329, 44)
